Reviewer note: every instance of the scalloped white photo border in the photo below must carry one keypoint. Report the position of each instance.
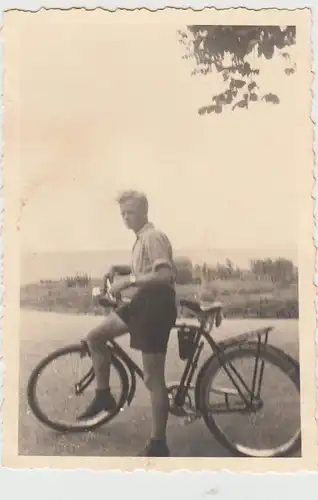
(189, 485)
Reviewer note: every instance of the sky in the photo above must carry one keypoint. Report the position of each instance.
(103, 107)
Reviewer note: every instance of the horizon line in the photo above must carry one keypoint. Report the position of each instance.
(176, 249)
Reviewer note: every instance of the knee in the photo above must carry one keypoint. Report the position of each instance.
(93, 338)
(98, 335)
(154, 372)
(148, 381)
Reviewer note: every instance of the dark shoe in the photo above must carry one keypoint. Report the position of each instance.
(103, 401)
(155, 449)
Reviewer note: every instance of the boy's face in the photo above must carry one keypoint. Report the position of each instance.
(132, 214)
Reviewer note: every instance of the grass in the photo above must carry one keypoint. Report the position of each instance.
(242, 299)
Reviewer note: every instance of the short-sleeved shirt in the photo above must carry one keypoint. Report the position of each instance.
(151, 250)
(152, 311)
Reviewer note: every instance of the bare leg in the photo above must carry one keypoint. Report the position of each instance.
(101, 364)
(97, 338)
(154, 368)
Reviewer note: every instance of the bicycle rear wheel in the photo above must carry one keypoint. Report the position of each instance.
(271, 428)
(61, 387)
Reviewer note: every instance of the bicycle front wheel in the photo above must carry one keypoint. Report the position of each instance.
(62, 385)
(268, 425)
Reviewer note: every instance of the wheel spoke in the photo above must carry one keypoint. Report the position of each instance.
(267, 426)
(61, 387)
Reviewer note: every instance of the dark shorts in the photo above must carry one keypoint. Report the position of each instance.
(150, 316)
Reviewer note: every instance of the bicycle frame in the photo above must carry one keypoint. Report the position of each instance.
(247, 395)
(218, 350)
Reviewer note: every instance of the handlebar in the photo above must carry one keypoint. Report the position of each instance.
(107, 293)
(104, 295)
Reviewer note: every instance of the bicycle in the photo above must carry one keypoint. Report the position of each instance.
(236, 395)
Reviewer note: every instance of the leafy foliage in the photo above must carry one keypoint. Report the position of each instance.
(77, 281)
(226, 49)
(278, 270)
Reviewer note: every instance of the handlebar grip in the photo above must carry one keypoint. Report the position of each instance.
(107, 286)
(106, 283)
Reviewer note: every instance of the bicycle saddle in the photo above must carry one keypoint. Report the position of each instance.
(202, 306)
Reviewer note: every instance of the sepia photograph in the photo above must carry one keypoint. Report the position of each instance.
(162, 168)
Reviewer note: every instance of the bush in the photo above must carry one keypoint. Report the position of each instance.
(184, 270)
(77, 280)
(264, 308)
(245, 300)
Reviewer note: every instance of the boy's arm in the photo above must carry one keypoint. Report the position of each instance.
(121, 270)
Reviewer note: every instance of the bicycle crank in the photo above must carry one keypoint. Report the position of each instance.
(186, 409)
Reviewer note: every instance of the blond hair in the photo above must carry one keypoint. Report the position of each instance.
(131, 194)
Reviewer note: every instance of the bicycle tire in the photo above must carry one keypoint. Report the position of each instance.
(79, 427)
(277, 357)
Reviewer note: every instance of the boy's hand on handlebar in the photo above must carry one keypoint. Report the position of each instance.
(110, 274)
